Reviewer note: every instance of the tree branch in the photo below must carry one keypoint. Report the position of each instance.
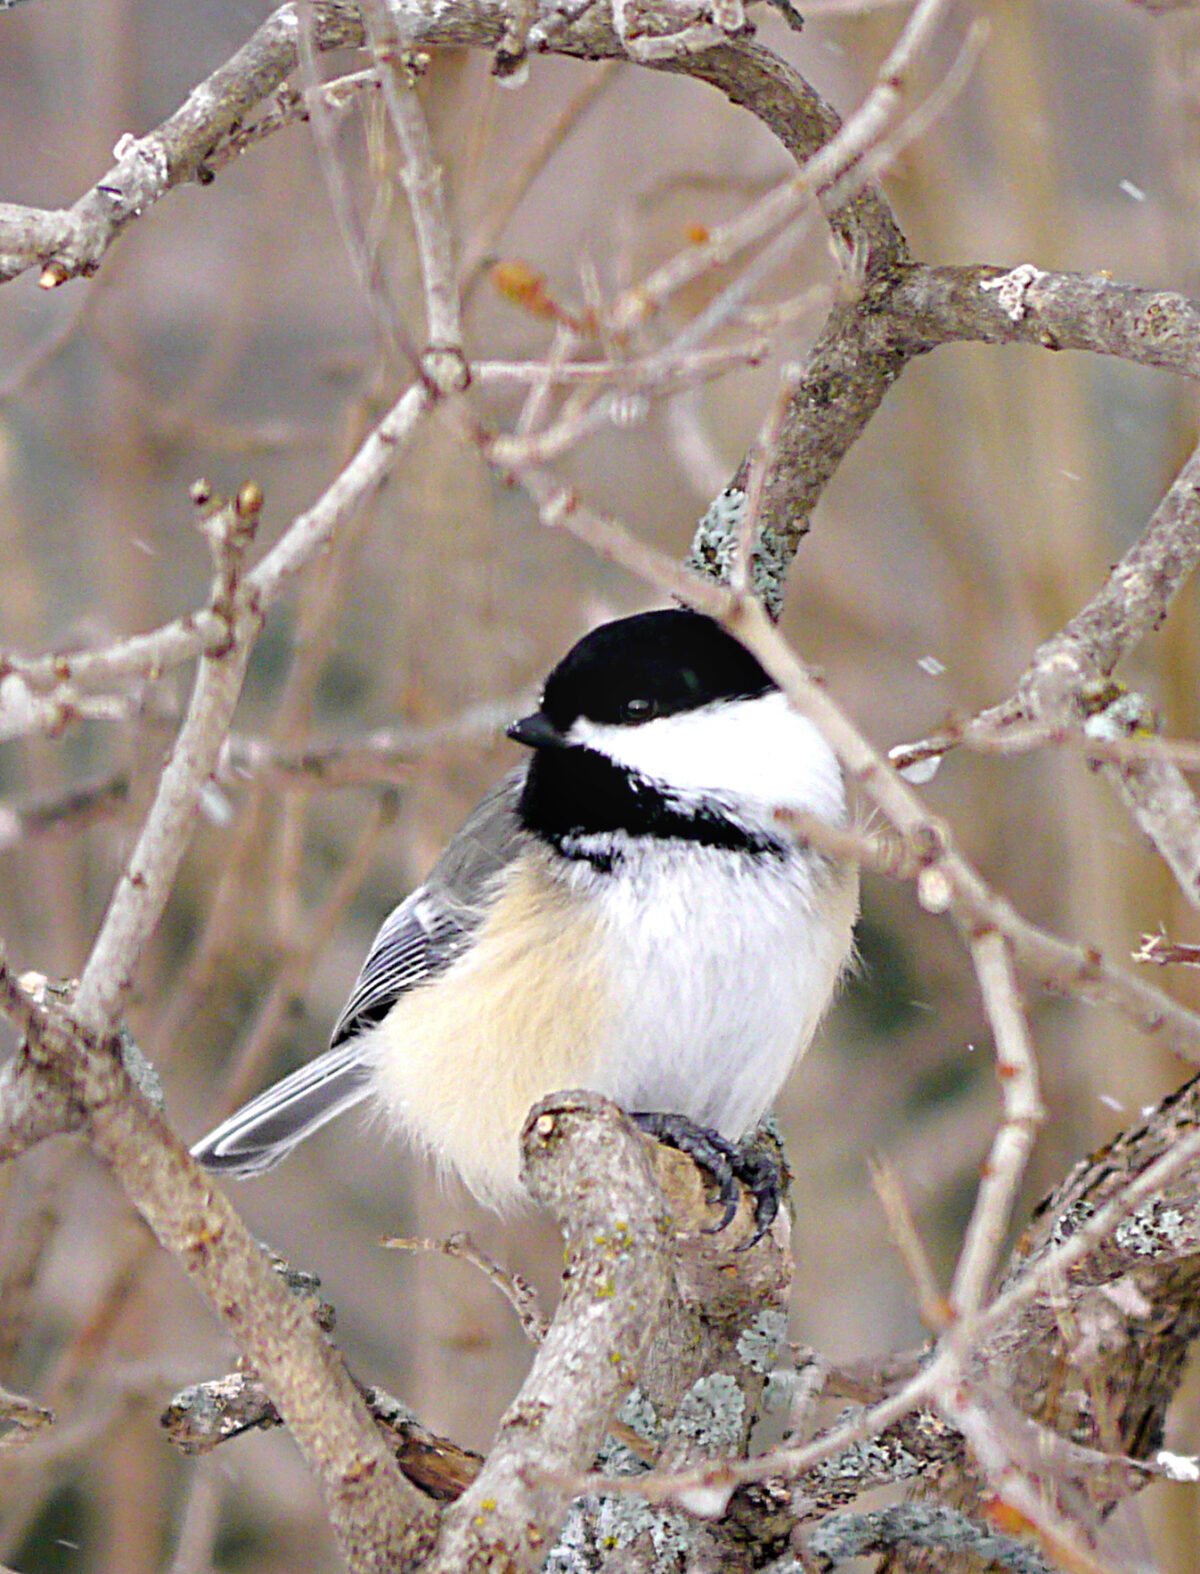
(379, 1519)
(73, 241)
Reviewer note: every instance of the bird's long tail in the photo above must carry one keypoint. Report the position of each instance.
(262, 1132)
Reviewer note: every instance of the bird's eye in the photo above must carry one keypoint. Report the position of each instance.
(637, 709)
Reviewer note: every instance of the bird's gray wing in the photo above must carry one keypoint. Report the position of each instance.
(417, 941)
(436, 924)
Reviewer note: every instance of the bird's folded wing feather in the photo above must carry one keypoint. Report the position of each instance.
(417, 942)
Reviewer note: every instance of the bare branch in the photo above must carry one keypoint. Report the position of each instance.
(380, 758)
(443, 360)
(478, 247)
(615, 1286)
(522, 1297)
(1117, 1261)
(1016, 1066)
(376, 1514)
(71, 242)
(939, 304)
(935, 1309)
(761, 462)
(142, 891)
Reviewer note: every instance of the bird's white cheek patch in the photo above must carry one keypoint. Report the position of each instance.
(759, 751)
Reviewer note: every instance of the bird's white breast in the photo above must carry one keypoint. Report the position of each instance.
(728, 959)
(724, 963)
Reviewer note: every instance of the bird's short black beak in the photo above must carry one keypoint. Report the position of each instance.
(537, 731)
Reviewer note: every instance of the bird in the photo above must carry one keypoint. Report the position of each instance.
(626, 913)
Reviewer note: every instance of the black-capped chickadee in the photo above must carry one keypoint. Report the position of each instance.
(624, 913)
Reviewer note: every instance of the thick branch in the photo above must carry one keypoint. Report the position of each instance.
(936, 305)
(587, 1164)
(909, 309)
(379, 1518)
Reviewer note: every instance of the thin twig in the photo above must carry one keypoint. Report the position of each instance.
(143, 888)
(443, 360)
(381, 758)
(762, 461)
(878, 155)
(582, 415)
(199, 1522)
(1016, 1067)
(677, 368)
(537, 401)
(478, 248)
(519, 1294)
(559, 508)
(362, 255)
(1147, 1187)
(935, 1311)
(816, 176)
(865, 128)
(1023, 1490)
(1165, 953)
(881, 154)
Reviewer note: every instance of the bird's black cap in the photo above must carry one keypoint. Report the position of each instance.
(653, 664)
(624, 673)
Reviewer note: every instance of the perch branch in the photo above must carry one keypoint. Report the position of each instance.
(585, 1162)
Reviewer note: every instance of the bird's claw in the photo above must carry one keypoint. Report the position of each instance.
(757, 1165)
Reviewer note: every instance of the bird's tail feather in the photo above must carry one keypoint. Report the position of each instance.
(262, 1132)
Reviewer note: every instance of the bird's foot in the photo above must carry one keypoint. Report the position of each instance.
(756, 1162)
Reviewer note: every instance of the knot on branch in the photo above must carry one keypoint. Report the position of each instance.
(585, 1162)
(444, 369)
